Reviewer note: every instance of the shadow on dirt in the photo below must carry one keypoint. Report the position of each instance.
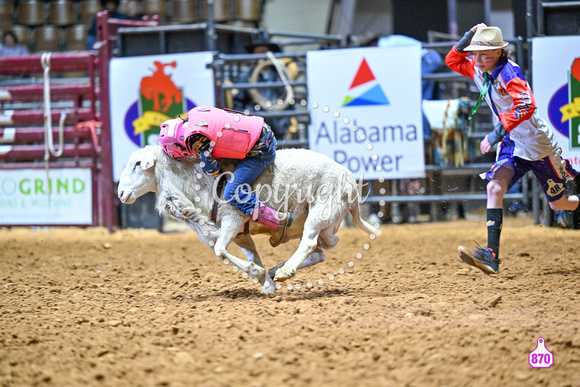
(297, 295)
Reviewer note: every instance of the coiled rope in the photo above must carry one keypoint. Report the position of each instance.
(285, 74)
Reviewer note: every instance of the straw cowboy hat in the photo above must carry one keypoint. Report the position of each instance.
(486, 38)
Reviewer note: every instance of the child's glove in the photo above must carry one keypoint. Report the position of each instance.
(465, 41)
(497, 134)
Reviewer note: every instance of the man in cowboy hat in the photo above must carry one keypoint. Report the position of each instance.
(244, 99)
(262, 45)
(528, 142)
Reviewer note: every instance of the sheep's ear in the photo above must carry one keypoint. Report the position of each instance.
(148, 162)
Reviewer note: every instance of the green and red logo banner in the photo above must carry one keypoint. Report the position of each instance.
(148, 90)
(159, 99)
(556, 86)
(571, 111)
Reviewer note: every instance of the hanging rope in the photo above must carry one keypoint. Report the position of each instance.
(48, 138)
(284, 72)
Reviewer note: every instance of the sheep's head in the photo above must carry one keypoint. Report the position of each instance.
(138, 177)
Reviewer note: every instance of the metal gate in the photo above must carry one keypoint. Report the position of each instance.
(50, 123)
(55, 120)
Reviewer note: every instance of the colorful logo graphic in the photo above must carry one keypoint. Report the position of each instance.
(571, 111)
(366, 86)
(564, 107)
(541, 357)
(159, 100)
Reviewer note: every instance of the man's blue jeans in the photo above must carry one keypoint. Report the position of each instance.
(249, 169)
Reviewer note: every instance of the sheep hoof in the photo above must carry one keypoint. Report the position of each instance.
(258, 272)
(284, 273)
(269, 289)
(272, 271)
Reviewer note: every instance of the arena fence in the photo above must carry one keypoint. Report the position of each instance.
(386, 194)
(78, 112)
(55, 116)
(51, 121)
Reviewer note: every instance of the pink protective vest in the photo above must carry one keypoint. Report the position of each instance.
(233, 133)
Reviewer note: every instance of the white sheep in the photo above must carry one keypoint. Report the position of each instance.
(317, 190)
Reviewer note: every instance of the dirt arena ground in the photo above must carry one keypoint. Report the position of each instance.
(139, 308)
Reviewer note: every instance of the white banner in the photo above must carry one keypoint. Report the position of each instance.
(147, 90)
(557, 100)
(365, 107)
(24, 198)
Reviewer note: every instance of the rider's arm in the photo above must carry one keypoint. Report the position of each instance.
(210, 165)
(201, 146)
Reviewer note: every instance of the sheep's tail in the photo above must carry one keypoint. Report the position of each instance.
(360, 222)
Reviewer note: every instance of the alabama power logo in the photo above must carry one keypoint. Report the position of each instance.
(159, 99)
(365, 89)
(564, 107)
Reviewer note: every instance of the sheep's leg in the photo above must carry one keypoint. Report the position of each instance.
(246, 243)
(319, 228)
(228, 233)
(305, 248)
(317, 256)
(327, 239)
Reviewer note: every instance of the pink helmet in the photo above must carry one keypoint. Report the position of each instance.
(172, 138)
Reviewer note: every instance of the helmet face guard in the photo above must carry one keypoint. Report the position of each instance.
(172, 138)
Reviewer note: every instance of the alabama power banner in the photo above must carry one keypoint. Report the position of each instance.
(147, 90)
(556, 86)
(365, 107)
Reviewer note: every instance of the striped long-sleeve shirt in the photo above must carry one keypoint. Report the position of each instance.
(512, 102)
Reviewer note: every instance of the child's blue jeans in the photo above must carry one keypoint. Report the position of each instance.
(246, 173)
